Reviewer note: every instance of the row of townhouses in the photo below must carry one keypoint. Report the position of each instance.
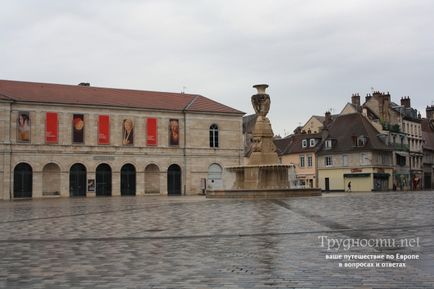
(375, 146)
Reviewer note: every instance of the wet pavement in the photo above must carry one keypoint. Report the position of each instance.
(193, 242)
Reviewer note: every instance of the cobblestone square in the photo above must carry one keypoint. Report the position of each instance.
(194, 242)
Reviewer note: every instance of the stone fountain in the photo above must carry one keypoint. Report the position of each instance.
(263, 176)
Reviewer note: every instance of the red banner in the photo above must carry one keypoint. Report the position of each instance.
(151, 128)
(51, 126)
(103, 129)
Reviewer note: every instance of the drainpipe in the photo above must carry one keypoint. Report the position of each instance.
(184, 111)
(184, 179)
(10, 152)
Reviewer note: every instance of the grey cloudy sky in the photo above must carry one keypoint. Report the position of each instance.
(313, 53)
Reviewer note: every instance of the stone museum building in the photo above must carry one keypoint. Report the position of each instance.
(80, 140)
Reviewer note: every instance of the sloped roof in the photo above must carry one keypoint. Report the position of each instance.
(89, 95)
(427, 135)
(293, 144)
(344, 127)
(282, 143)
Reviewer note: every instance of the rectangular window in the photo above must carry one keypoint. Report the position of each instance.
(400, 160)
(302, 161)
(214, 136)
(78, 128)
(309, 161)
(103, 129)
(51, 128)
(328, 161)
(364, 160)
(345, 160)
(23, 126)
(312, 142)
(328, 144)
(151, 131)
(385, 159)
(304, 143)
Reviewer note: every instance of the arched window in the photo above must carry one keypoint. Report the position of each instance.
(214, 136)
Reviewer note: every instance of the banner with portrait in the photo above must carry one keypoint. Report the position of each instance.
(103, 129)
(173, 132)
(23, 126)
(51, 127)
(78, 128)
(151, 131)
(128, 132)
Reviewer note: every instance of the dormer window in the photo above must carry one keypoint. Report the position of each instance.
(328, 144)
(304, 143)
(361, 141)
(312, 142)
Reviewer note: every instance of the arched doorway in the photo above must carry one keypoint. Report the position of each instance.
(215, 180)
(103, 180)
(77, 180)
(51, 180)
(128, 180)
(23, 178)
(174, 180)
(152, 179)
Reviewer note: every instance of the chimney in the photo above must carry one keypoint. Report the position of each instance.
(405, 102)
(430, 112)
(84, 84)
(368, 97)
(376, 94)
(355, 100)
(328, 119)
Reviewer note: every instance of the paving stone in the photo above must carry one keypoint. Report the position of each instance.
(193, 242)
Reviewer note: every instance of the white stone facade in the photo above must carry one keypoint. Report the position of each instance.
(51, 163)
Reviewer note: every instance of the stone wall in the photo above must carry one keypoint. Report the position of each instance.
(51, 163)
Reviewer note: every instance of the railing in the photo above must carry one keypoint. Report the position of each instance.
(400, 147)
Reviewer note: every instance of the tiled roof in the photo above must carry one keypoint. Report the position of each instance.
(89, 95)
(282, 143)
(427, 135)
(293, 144)
(346, 126)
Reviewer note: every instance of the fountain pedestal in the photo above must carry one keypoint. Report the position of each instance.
(263, 175)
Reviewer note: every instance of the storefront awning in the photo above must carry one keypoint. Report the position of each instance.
(381, 175)
(357, 175)
(402, 154)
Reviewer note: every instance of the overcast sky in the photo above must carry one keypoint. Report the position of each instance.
(313, 53)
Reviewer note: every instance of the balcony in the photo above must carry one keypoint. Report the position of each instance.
(392, 127)
(399, 147)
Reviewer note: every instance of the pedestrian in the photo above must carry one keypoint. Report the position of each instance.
(349, 186)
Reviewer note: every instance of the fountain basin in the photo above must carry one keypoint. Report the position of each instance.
(262, 194)
(261, 181)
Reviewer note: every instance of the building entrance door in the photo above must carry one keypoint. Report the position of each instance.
(77, 181)
(23, 178)
(327, 184)
(174, 180)
(128, 180)
(103, 180)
